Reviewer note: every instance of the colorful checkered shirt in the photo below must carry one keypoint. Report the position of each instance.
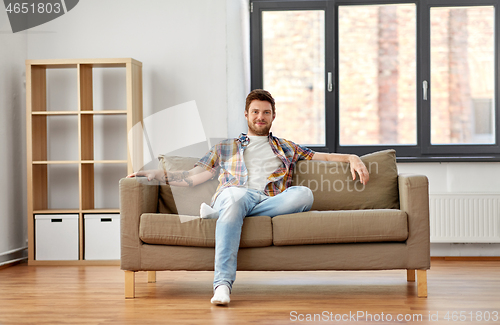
(228, 156)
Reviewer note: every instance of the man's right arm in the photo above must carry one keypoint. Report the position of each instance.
(192, 177)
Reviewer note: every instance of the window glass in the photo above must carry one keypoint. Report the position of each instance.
(377, 74)
(462, 75)
(294, 73)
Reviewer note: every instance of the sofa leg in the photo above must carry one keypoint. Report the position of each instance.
(422, 283)
(129, 284)
(151, 276)
(410, 275)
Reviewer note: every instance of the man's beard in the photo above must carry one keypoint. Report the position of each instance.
(261, 131)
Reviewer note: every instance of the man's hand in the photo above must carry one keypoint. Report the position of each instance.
(193, 177)
(150, 174)
(357, 166)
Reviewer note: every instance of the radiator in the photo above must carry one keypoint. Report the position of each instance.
(465, 218)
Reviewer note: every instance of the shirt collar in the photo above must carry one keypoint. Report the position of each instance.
(245, 140)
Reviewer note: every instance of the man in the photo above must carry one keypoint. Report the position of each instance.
(255, 176)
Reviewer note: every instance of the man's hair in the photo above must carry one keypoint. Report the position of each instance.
(260, 94)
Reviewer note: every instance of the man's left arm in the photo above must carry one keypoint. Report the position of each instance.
(357, 166)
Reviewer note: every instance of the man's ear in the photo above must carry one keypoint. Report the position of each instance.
(246, 114)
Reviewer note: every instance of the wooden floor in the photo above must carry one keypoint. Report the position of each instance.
(94, 295)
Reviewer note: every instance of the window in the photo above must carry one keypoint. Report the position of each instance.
(462, 75)
(293, 51)
(377, 73)
(358, 76)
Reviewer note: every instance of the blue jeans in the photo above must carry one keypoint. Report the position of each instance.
(236, 203)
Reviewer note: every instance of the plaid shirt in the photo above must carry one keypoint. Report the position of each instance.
(228, 156)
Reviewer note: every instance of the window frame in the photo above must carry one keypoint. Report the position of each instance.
(423, 150)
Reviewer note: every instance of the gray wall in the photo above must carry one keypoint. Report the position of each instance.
(190, 50)
(12, 142)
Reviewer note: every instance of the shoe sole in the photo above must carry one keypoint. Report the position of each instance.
(219, 303)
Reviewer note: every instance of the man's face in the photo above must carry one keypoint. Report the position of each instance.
(260, 117)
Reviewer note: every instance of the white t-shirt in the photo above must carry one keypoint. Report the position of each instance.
(260, 161)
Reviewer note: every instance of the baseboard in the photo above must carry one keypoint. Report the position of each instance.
(465, 258)
(13, 257)
(4, 266)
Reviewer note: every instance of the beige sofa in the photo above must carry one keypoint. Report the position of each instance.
(383, 225)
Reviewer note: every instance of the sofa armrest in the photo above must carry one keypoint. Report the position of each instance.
(137, 196)
(414, 200)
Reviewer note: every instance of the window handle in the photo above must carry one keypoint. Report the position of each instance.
(425, 86)
(330, 84)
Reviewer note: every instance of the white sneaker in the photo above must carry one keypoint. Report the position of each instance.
(221, 295)
(206, 212)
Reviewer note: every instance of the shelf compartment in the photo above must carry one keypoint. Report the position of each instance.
(109, 132)
(102, 137)
(109, 88)
(100, 185)
(55, 187)
(54, 137)
(61, 87)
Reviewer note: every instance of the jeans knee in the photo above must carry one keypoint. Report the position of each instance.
(303, 197)
(231, 204)
(306, 197)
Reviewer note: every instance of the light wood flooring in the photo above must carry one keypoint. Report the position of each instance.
(95, 295)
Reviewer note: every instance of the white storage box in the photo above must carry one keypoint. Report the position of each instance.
(56, 237)
(102, 237)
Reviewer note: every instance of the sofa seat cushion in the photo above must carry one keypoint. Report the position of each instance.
(172, 229)
(326, 227)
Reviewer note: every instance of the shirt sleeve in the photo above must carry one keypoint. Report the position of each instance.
(210, 161)
(303, 152)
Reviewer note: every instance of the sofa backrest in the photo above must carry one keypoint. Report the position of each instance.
(183, 200)
(331, 183)
(335, 189)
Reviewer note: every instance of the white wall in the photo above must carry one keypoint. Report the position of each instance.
(238, 64)
(190, 50)
(459, 178)
(12, 141)
(182, 45)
